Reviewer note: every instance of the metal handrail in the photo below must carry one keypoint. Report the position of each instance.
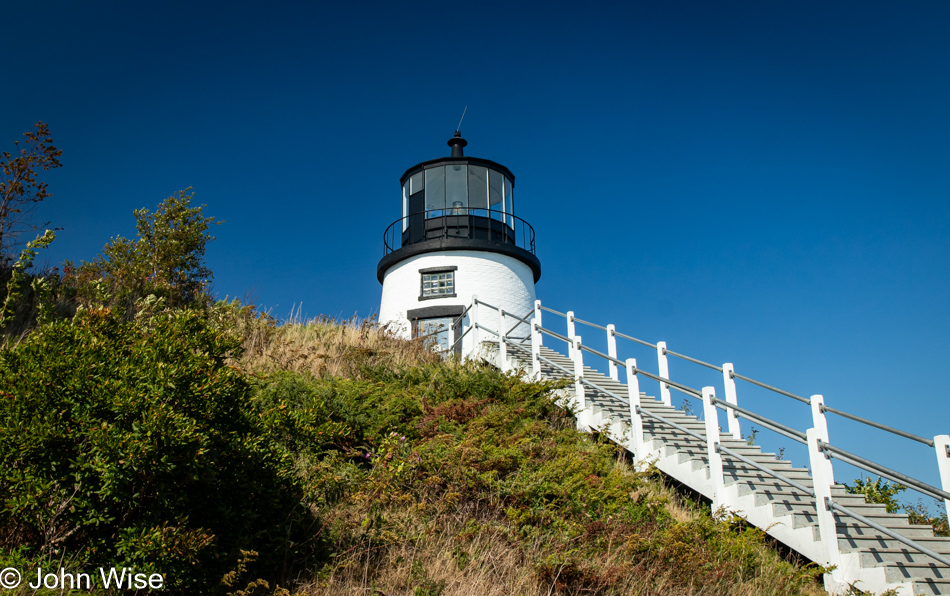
(602, 355)
(898, 432)
(870, 466)
(700, 362)
(551, 310)
(456, 342)
(483, 328)
(679, 387)
(462, 316)
(631, 338)
(557, 335)
(804, 400)
(778, 427)
(477, 301)
(588, 323)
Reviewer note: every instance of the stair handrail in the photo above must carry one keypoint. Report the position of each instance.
(941, 443)
(870, 466)
(551, 310)
(778, 427)
(896, 431)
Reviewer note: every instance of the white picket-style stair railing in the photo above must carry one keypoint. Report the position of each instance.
(806, 510)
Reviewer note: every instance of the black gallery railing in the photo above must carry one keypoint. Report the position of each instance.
(463, 222)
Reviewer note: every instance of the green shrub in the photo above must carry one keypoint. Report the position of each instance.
(165, 260)
(127, 444)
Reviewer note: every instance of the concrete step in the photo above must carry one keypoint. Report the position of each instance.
(860, 542)
(879, 557)
(931, 587)
(872, 511)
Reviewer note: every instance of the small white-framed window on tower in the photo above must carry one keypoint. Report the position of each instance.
(437, 282)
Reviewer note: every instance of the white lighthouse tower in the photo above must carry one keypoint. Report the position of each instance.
(458, 238)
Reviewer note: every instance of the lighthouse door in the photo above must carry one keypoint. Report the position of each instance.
(437, 330)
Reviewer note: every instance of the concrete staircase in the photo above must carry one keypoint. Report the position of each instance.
(869, 561)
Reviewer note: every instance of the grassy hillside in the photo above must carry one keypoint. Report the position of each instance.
(237, 456)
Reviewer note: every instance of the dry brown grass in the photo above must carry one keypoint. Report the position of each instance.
(321, 346)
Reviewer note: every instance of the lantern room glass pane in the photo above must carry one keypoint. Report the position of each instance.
(435, 191)
(477, 187)
(405, 206)
(416, 183)
(456, 195)
(509, 209)
(494, 189)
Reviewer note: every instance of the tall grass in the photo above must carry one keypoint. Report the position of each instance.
(321, 346)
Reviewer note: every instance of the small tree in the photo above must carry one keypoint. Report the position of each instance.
(880, 491)
(166, 260)
(20, 187)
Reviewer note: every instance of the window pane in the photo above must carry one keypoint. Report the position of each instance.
(416, 183)
(455, 191)
(494, 189)
(477, 187)
(509, 208)
(438, 284)
(435, 189)
(405, 205)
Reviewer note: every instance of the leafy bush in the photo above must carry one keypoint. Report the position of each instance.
(166, 260)
(885, 493)
(133, 444)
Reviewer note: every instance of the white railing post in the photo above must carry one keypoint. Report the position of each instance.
(537, 319)
(711, 417)
(827, 527)
(664, 367)
(636, 418)
(535, 351)
(730, 383)
(612, 351)
(502, 346)
(579, 402)
(570, 333)
(451, 349)
(473, 312)
(823, 478)
(820, 423)
(942, 444)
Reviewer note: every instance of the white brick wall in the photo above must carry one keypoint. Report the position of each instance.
(496, 279)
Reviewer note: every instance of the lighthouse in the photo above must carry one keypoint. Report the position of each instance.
(458, 238)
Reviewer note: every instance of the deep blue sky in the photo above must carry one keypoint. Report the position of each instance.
(757, 182)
